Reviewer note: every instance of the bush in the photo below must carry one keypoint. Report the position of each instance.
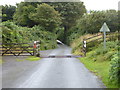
(114, 75)
(112, 44)
(16, 34)
(101, 51)
(92, 45)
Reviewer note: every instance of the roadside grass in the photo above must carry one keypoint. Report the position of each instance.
(99, 68)
(98, 60)
(19, 60)
(30, 58)
(1, 61)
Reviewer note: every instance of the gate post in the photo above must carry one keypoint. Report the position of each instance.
(84, 47)
(36, 47)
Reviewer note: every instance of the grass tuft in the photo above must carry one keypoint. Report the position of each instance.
(1, 61)
(32, 58)
(18, 60)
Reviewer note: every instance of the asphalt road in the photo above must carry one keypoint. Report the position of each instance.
(48, 72)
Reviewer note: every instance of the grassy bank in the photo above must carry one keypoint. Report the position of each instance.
(102, 62)
(101, 69)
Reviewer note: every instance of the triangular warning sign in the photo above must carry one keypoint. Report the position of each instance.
(104, 28)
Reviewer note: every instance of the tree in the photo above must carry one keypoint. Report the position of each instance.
(92, 22)
(70, 13)
(0, 13)
(47, 17)
(21, 16)
(8, 12)
(112, 19)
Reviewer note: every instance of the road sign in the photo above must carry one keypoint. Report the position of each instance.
(104, 29)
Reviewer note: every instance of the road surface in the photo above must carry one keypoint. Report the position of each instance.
(49, 72)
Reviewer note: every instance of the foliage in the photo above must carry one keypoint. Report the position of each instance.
(60, 33)
(0, 13)
(68, 10)
(13, 34)
(47, 17)
(21, 16)
(8, 12)
(46, 38)
(16, 34)
(114, 75)
(103, 62)
(73, 34)
(70, 13)
(112, 44)
(105, 54)
(101, 69)
(92, 22)
(30, 14)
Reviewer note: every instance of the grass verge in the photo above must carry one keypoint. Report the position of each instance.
(101, 69)
(1, 61)
(30, 58)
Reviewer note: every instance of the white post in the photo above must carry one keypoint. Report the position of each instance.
(104, 40)
(84, 47)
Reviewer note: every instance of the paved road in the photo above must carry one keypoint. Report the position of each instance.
(49, 72)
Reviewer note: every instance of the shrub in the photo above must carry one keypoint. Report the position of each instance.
(16, 34)
(114, 74)
(112, 44)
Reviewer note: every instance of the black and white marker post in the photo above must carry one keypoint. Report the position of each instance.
(84, 47)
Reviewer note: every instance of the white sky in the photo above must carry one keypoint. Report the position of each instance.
(90, 4)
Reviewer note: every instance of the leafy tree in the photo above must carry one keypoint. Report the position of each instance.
(112, 19)
(8, 12)
(21, 16)
(92, 22)
(70, 12)
(46, 16)
(0, 13)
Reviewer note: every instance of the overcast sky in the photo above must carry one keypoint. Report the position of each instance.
(90, 4)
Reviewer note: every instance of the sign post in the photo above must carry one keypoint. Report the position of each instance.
(104, 29)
